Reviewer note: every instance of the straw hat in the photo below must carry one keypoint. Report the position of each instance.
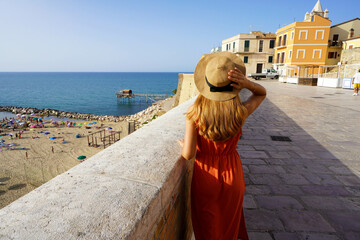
(211, 75)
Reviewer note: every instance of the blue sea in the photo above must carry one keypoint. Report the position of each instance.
(82, 92)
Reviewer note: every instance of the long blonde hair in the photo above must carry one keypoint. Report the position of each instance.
(218, 120)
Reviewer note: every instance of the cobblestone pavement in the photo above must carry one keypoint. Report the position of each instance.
(309, 188)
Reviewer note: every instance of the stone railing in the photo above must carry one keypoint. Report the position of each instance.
(138, 188)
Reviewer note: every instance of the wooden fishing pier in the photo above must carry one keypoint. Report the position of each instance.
(106, 140)
(127, 96)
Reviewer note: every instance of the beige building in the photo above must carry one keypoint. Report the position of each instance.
(255, 49)
(338, 34)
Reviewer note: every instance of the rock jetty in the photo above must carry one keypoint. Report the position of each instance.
(144, 116)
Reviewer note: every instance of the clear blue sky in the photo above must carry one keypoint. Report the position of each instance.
(137, 36)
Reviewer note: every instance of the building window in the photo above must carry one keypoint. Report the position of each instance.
(246, 45)
(317, 54)
(319, 34)
(284, 40)
(332, 55)
(282, 57)
(227, 47)
(278, 58)
(279, 41)
(292, 35)
(233, 45)
(261, 45)
(335, 40)
(290, 54)
(270, 59)
(303, 34)
(300, 53)
(246, 59)
(272, 43)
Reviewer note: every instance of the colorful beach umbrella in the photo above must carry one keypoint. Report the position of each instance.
(52, 138)
(81, 157)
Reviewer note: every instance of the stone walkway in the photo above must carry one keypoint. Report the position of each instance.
(309, 188)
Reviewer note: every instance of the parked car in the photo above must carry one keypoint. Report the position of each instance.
(266, 73)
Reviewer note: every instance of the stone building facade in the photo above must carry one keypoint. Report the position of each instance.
(256, 49)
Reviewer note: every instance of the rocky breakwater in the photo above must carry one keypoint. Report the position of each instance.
(152, 112)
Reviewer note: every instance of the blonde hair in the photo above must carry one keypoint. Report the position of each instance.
(218, 120)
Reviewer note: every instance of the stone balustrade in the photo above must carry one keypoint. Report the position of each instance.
(138, 188)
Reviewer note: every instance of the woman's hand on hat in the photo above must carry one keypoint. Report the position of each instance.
(238, 78)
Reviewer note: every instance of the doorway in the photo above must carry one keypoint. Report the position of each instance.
(259, 67)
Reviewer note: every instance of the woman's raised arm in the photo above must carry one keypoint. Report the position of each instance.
(258, 92)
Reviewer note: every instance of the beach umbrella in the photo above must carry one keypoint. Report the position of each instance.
(109, 128)
(86, 123)
(80, 124)
(32, 129)
(52, 138)
(81, 157)
(78, 135)
(32, 114)
(10, 123)
(34, 119)
(46, 133)
(32, 126)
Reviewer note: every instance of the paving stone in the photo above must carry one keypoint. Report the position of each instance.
(274, 154)
(353, 203)
(344, 221)
(349, 180)
(301, 220)
(322, 179)
(326, 190)
(253, 154)
(245, 169)
(266, 169)
(244, 148)
(270, 179)
(259, 236)
(262, 220)
(249, 201)
(286, 190)
(325, 155)
(326, 202)
(257, 189)
(278, 202)
(286, 236)
(319, 236)
(352, 235)
(341, 170)
(295, 179)
(247, 161)
(353, 190)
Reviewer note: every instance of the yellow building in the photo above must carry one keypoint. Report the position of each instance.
(339, 34)
(352, 42)
(304, 43)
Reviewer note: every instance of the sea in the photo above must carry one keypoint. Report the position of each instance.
(83, 92)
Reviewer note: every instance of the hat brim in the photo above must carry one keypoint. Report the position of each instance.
(199, 77)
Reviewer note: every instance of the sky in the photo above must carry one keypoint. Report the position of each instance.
(137, 36)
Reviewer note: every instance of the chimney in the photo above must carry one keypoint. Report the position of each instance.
(351, 33)
(306, 18)
(326, 14)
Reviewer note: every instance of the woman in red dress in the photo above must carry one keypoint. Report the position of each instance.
(213, 128)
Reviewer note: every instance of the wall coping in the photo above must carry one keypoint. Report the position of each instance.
(109, 195)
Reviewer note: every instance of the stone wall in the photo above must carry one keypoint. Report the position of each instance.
(138, 188)
(186, 89)
(350, 56)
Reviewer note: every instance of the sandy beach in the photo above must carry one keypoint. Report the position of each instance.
(47, 151)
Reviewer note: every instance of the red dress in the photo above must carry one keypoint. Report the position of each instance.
(217, 191)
